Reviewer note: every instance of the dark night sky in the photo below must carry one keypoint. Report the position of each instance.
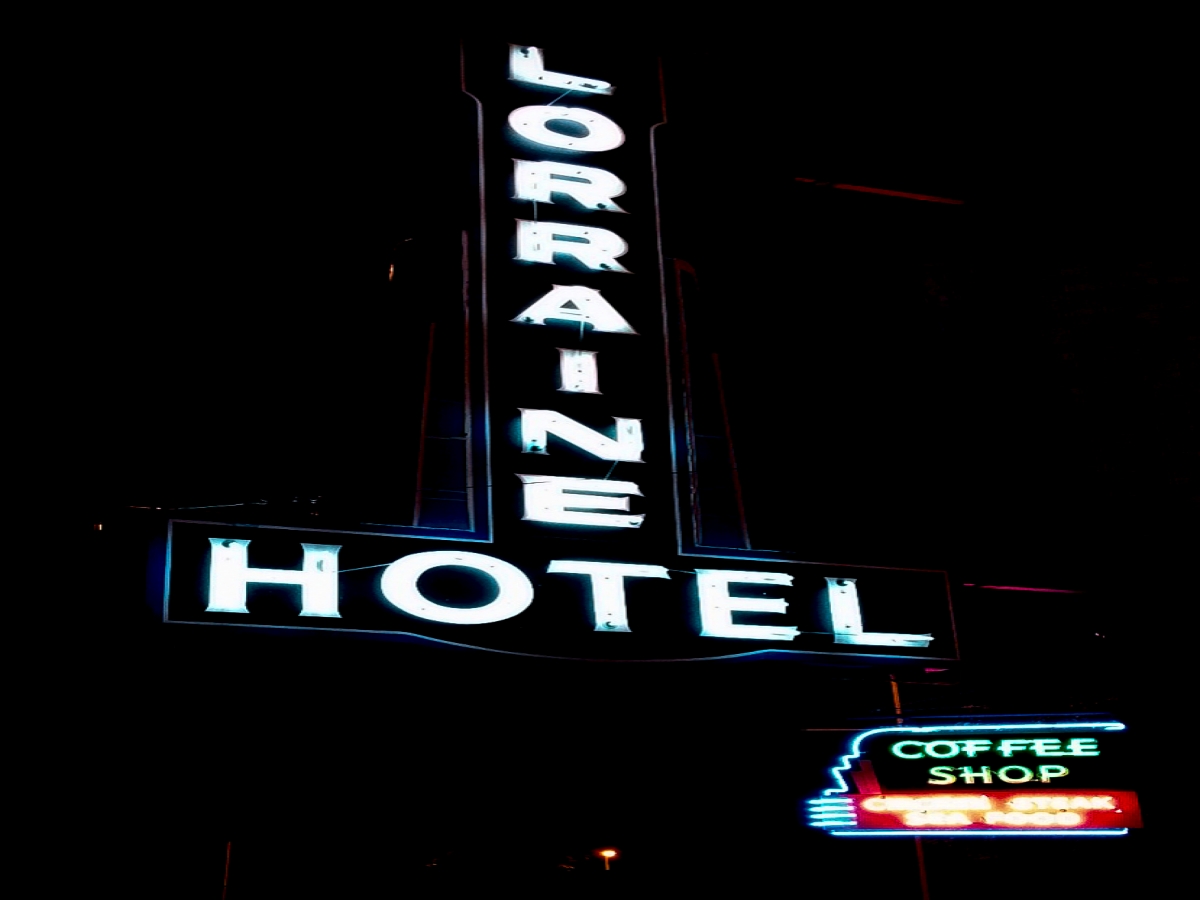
(1018, 363)
(1007, 380)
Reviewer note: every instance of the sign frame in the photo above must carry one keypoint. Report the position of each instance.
(837, 812)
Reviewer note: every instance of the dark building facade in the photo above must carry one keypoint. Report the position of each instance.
(996, 389)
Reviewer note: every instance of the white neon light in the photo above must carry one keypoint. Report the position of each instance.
(538, 424)
(600, 132)
(229, 573)
(609, 610)
(399, 587)
(596, 248)
(591, 188)
(717, 606)
(574, 303)
(561, 500)
(525, 64)
(577, 371)
(846, 612)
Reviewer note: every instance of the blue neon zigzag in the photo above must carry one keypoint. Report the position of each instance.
(827, 804)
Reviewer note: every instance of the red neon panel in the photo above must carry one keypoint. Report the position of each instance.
(1001, 811)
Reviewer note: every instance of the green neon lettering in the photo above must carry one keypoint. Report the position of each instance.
(1083, 747)
(973, 747)
(942, 775)
(896, 751)
(950, 748)
(1047, 747)
(984, 774)
(1008, 745)
(1045, 773)
(1015, 774)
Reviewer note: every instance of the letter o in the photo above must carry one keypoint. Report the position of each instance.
(952, 745)
(532, 123)
(399, 587)
(1027, 774)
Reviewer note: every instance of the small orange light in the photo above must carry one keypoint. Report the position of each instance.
(608, 854)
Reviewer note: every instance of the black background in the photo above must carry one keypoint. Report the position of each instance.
(1001, 389)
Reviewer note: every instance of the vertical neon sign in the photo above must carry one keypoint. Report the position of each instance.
(555, 441)
(578, 381)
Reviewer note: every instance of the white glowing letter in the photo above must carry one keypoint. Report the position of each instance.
(229, 573)
(596, 248)
(573, 303)
(547, 500)
(538, 424)
(608, 587)
(846, 613)
(717, 606)
(525, 64)
(577, 371)
(590, 188)
(514, 592)
(599, 132)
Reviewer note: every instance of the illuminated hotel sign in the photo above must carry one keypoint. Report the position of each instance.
(575, 544)
(1066, 779)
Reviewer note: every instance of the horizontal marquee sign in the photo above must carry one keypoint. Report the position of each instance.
(553, 598)
(1064, 779)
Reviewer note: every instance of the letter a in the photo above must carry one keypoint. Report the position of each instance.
(573, 303)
